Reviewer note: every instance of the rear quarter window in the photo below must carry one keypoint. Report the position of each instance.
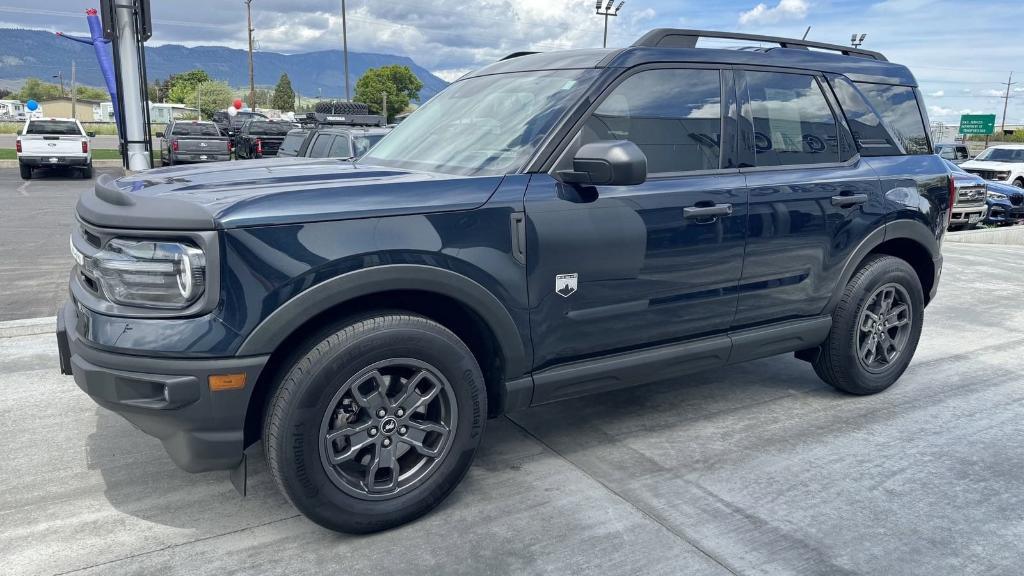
(870, 133)
(900, 110)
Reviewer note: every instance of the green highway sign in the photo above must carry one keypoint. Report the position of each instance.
(978, 124)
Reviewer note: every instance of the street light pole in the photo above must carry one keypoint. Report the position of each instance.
(856, 40)
(252, 82)
(344, 46)
(607, 11)
(60, 74)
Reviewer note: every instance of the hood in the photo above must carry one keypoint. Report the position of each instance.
(986, 165)
(1008, 189)
(274, 191)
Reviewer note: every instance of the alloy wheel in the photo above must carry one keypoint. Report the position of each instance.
(884, 327)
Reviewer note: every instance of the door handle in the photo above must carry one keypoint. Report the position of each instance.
(849, 200)
(706, 211)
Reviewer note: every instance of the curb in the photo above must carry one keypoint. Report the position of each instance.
(1009, 236)
(95, 163)
(28, 327)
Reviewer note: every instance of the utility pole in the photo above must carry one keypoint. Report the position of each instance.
(74, 93)
(384, 110)
(344, 47)
(252, 81)
(1006, 100)
(607, 11)
(60, 74)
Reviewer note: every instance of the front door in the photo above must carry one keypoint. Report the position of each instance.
(620, 268)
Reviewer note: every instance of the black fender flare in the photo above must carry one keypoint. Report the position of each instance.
(909, 229)
(288, 317)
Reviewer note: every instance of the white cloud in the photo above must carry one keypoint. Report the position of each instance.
(937, 94)
(940, 111)
(784, 10)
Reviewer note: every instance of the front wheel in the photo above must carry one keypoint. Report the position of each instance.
(875, 328)
(376, 423)
(1019, 182)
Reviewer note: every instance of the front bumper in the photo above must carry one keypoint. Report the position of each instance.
(168, 398)
(36, 161)
(968, 215)
(1004, 213)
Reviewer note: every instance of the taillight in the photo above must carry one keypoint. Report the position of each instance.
(17, 145)
(174, 145)
(85, 146)
(259, 146)
(231, 146)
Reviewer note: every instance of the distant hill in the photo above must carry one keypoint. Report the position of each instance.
(41, 54)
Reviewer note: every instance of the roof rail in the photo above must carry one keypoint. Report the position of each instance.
(679, 38)
(517, 55)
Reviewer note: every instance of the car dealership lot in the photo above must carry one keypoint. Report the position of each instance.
(757, 469)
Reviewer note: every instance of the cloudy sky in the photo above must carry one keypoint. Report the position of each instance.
(960, 51)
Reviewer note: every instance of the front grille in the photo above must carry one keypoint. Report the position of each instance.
(971, 195)
(1017, 199)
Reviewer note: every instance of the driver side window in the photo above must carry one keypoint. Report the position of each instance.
(673, 115)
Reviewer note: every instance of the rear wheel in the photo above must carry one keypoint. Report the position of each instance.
(87, 171)
(875, 328)
(26, 172)
(376, 423)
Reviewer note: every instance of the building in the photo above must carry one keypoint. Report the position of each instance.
(12, 110)
(85, 110)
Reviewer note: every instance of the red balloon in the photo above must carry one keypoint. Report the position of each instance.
(238, 103)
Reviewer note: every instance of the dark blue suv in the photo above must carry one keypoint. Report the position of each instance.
(550, 226)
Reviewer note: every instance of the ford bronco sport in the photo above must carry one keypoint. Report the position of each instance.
(552, 225)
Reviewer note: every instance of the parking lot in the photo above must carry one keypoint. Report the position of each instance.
(756, 469)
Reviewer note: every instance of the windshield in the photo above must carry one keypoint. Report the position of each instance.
(1002, 155)
(484, 126)
(62, 127)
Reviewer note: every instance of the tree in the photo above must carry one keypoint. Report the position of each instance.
(90, 93)
(284, 96)
(5, 93)
(36, 89)
(263, 98)
(210, 97)
(400, 84)
(183, 86)
(158, 90)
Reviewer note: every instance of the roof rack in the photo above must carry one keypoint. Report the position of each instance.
(679, 38)
(321, 119)
(517, 55)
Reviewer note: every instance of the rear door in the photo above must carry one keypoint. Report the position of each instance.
(623, 267)
(812, 199)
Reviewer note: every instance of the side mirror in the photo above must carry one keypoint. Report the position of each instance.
(607, 163)
(90, 134)
(159, 134)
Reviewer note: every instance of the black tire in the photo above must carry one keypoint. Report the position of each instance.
(26, 172)
(342, 107)
(87, 171)
(839, 362)
(306, 406)
(1019, 182)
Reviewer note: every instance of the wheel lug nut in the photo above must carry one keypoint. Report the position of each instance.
(373, 432)
(400, 413)
(382, 413)
(387, 442)
(402, 430)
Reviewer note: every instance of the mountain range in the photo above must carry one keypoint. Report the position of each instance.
(41, 54)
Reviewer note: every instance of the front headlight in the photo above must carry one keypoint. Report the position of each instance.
(149, 273)
(996, 195)
(1002, 175)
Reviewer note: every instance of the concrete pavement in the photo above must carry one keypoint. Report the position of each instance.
(756, 469)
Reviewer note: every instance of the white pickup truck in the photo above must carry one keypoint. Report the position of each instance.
(53, 142)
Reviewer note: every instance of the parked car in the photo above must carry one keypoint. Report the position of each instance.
(549, 226)
(53, 143)
(260, 138)
(229, 125)
(1005, 204)
(956, 153)
(1002, 163)
(193, 141)
(970, 207)
(334, 136)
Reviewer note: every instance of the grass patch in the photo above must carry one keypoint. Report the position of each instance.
(100, 128)
(97, 154)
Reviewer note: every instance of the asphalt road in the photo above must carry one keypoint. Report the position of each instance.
(35, 221)
(756, 469)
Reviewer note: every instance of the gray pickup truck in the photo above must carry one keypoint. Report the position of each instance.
(193, 141)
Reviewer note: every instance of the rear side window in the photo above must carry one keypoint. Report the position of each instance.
(292, 143)
(673, 115)
(321, 146)
(793, 123)
(53, 127)
(898, 107)
(872, 138)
